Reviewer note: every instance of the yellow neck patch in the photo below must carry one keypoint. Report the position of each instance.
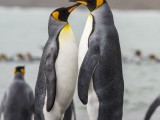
(66, 27)
(65, 32)
(99, 3)
(55, 15)
(66, 35)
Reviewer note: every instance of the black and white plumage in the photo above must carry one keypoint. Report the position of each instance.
(100, 80)
(57, 76)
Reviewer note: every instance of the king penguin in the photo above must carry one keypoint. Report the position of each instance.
(100, 79)
(57, 75)
(18, 101)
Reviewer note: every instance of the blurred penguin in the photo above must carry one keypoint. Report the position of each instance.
(153, 57)
(18, 101)
(30, 58)
(152, 108)
(138, 56)
(20, 57)
(3, 57)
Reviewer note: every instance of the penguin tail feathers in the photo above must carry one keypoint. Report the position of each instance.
(152, 108)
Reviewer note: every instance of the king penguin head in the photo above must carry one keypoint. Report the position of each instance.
(62, 14)
(19, 70)
(91, 4)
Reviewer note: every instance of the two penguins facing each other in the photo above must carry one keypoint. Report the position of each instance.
(100, 78)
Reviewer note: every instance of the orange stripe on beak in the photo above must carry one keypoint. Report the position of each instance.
(82, 2)
(70, 10)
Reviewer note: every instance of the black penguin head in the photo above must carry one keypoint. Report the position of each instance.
(62, 14)
(91, 4)
(19, 69)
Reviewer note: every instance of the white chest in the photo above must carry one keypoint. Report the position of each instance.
(66, 63)
(66, 72)
(83, 46)
(93, 103)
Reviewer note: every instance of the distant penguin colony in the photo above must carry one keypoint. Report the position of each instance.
(18, 101)
(137, 57)
(57, 76)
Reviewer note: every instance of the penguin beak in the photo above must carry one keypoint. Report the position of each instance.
(82, 2)
(70, 9)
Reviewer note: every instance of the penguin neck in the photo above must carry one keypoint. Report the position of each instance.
(18, 76)
(55, 27)
(93, 6)
(103, 14)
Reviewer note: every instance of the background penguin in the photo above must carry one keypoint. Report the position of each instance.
(100, 80)
(152, 108)
(3, 57)
(57, 76)
(18, 101)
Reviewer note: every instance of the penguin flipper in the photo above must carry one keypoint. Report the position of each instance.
(152, 108)
(51, 79)
(88, 66)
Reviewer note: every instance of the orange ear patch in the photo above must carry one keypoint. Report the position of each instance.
(99, 2)
(22, 71)
(56, 15)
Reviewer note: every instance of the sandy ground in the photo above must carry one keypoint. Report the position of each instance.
(117, 4)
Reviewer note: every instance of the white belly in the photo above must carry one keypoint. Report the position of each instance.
(66, 71)
(1, 116)
(32, 116)
(93, 103)
(83, 46)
